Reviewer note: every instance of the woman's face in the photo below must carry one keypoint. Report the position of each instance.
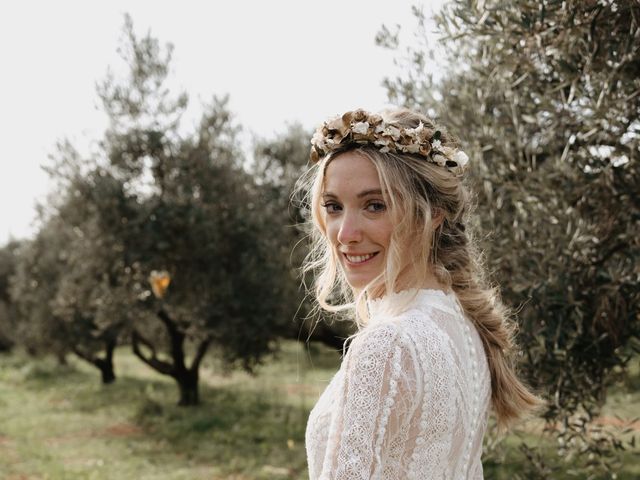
(358, 223)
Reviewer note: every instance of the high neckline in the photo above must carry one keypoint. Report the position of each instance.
(391, 305)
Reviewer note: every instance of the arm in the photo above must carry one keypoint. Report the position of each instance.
(375, 401)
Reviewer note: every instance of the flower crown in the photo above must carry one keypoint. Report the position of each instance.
(361, 127)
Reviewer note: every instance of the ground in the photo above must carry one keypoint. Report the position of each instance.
(59, 422)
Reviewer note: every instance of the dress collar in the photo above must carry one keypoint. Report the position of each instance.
(389, 306)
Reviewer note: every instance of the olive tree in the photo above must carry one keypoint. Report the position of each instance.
(278, 163)
(8, 256)
(546, 97)
(200, 219)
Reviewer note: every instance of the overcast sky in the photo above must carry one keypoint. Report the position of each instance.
(280, 61)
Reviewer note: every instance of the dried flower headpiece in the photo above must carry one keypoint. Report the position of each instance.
(361, 127)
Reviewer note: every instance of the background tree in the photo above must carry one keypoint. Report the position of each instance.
(546, 97)
(157, 198)
(66, 274)
(95, 294)
(277, 164)
(8, 255)
(33, 287)
(201, 218)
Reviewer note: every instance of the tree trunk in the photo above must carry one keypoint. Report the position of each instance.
(188, 384)
(62, 358)
(185, 377)
(105, 365)
(5, 344)
(108, 375)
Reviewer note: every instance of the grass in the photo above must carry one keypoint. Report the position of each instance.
(58, 422)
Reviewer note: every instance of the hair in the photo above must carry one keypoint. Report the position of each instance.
(416, 191)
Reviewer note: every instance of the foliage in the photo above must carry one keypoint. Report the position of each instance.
(158, 197)
(7, 308)
(546, 96)
(68, 274)
(278, 164)
(39, 265)
(201, 216)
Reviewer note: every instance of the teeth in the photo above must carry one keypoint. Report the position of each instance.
(358, 258)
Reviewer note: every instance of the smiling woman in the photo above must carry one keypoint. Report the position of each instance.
(358, 225)
(434, 348)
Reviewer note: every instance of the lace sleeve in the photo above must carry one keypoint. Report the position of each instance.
(367, 415)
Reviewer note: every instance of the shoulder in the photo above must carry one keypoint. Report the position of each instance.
(383, 340)
(420, 331)
(416, 329)
(380, 355)
(403, 324)
(376, 338)
(410, 326)
(433, 345)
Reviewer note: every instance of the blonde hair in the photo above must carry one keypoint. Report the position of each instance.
(415, 192)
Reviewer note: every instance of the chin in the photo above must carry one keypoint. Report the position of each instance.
(354, 281)
(359, 282)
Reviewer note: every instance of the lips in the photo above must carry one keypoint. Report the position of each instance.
(359, 259)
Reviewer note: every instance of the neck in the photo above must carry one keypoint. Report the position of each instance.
(409, 278)
(405, 282)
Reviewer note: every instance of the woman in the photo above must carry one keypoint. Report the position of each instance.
(434, 345)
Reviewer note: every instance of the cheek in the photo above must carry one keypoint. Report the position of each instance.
(331, 232)
(385, 232)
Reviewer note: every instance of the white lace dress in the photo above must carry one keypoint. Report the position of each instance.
(410, 400)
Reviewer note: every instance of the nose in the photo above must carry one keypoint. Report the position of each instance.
(350, 231)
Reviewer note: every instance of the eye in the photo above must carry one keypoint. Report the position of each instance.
(331, 207)
(376, 206)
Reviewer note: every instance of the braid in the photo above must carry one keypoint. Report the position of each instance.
(458, 261)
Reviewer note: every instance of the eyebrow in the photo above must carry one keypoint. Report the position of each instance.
(364, 193)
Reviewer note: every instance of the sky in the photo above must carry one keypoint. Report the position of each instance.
(279, 61)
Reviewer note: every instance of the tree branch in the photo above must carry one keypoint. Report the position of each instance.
(153, 361)
(202, 350)
(177, 340)
(83, 355)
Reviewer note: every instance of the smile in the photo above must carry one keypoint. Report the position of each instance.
(359, 259)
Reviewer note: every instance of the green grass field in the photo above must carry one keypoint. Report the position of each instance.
(60, 423)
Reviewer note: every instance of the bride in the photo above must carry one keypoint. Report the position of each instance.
(434, 348)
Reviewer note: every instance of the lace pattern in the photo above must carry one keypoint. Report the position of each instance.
(410, 399)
